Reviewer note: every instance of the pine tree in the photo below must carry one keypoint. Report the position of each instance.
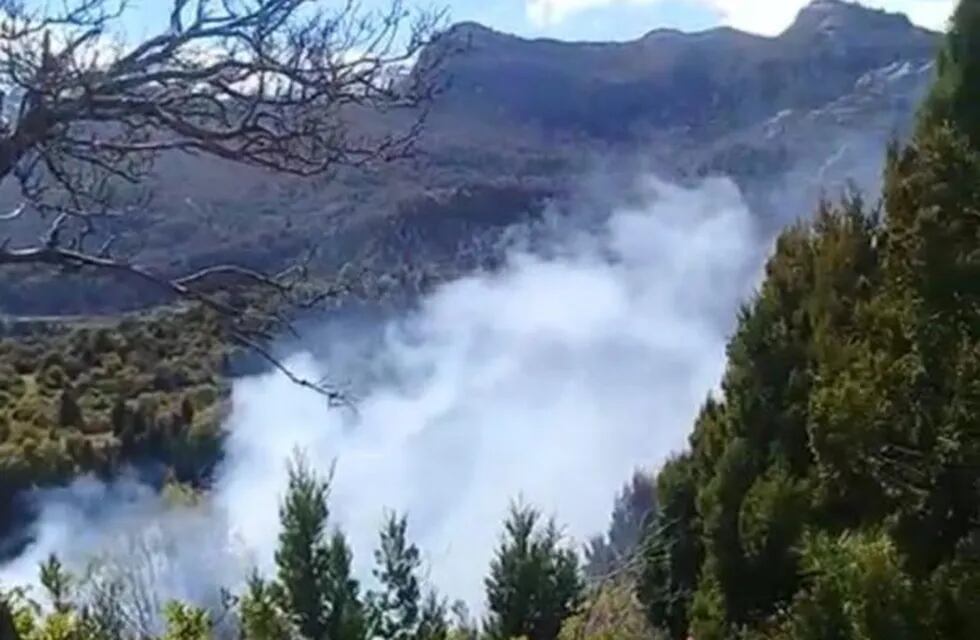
(432, 622)
(303, 552)
(187, 412)
(398, 604)
(318, 590)
(634, 510)
(672, 552)
(534, 582)
(346, 617)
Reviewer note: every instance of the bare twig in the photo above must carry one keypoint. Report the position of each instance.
(284, 85)
(246, 325)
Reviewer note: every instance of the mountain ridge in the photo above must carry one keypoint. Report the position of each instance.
(709, 80)
(499, 144)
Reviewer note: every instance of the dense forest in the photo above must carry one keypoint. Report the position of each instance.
(833, 489)
(830, 491)
(96, 399)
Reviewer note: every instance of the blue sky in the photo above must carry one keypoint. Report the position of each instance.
(623, 19)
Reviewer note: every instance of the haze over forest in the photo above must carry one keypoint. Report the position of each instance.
(674, 337)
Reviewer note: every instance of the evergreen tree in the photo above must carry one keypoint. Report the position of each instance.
(400, 613)
(302, 555)
(315, 578)
(534, 582)
(185, 622)
(833, 491)
(397, 563)
(634, 510)
(346, 618)
(187, 412)
(672, 553)
(857, 589)
(432, 622)
(119, 418)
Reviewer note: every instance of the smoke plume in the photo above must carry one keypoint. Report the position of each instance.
(548, 381)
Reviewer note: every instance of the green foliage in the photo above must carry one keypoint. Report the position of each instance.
(534, 582)
(302, 555)
(315, 567)
(261, 616)
(833, 490)
(956, 92)
(69, 404)
(69, 413)
(635, 508)
(856, 590)
(672, 550)
(185, 622)
(398, 609)
(612, 612)
(8, 628)
(57, 582)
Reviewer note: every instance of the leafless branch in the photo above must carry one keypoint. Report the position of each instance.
(246, 324)
(285, 85)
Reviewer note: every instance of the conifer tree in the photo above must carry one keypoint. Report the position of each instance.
(534, 581)
(317, 587)
(398, 604)
(185, 622)
(346, 615)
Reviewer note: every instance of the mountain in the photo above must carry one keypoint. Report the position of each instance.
(787, 161)
(704, 83)
(519, 123)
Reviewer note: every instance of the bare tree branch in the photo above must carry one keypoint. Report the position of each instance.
(284, 85)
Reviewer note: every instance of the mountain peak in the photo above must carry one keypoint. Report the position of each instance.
(829, 18)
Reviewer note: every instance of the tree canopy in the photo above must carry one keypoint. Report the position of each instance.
(832, 490)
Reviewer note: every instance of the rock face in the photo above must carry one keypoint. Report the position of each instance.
(523, 121)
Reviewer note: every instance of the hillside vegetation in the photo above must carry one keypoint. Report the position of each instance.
(521, 121)
(94, 399)
(831, 491)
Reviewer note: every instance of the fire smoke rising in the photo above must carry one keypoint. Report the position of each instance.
(548, 380)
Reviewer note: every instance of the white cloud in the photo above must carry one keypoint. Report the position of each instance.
(758, 16)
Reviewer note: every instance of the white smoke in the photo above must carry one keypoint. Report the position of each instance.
(126, 535)
(549, 380)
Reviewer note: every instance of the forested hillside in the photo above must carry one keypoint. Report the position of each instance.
(517, 123)
(97, 399)
(833, 489)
